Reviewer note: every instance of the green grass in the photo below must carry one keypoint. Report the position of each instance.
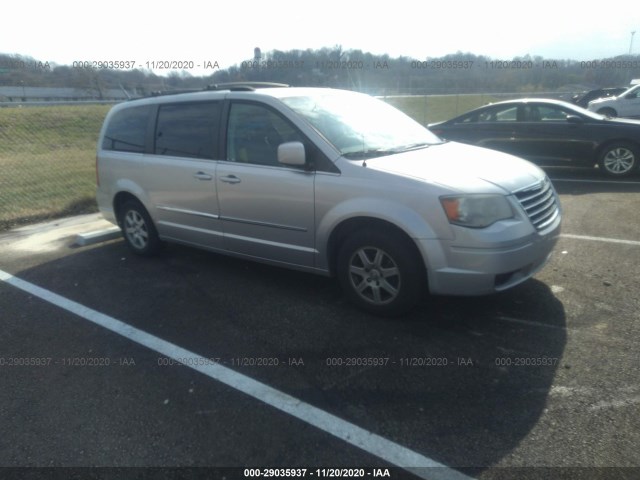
(47, 154)
(436, 108)
(47, 160)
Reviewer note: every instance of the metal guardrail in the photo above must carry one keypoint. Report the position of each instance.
(52, 103)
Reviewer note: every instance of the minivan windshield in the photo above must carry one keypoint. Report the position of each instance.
(360, 126)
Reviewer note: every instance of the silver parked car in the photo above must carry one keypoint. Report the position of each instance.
(326, 181)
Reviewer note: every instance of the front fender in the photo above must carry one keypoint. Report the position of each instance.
(401, 216)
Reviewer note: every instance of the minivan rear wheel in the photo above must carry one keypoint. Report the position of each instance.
(138, 229)
(379, 272)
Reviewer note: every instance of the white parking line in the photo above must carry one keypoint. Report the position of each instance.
(578, 180)
(618, 403)
(396, 454)
(600, 239)
(530, 323)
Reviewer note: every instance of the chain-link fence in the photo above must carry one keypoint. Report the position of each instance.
(47, 161)
(47, 153)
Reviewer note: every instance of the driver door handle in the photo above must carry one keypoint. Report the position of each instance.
(202, 176)
(230, 179)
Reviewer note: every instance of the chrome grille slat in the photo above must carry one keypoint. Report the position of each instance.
(539, 203)
(529, 198)
(548, 203)
(548, 221)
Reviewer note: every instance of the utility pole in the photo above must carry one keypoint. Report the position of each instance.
(631, 44)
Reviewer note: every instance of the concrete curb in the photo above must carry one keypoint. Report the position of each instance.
(79, 231)
(98, 236)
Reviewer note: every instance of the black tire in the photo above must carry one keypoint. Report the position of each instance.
(138, 229)
(619, 159)
(608, 112)
(379, 272)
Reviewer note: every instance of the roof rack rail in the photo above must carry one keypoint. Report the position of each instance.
(233, 86)
(159, 93)
(245, 86)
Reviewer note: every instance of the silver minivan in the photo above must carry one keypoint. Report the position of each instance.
(326, 181)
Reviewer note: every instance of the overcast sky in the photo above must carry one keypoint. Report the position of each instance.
(64, 31)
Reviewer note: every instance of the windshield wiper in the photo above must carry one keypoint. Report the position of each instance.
(381, 152)
(412, 146)
(368, 154)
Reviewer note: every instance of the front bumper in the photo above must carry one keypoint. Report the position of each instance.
(457, 270)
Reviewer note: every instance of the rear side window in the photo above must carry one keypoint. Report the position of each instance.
(188, 129)
(127, 129)
(499, 114)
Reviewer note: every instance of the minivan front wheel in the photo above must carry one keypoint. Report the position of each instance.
(379, 272)
(138, 229)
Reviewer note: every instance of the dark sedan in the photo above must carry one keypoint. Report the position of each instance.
(549, 132)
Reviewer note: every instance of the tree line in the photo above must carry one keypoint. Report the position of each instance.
(352, 69)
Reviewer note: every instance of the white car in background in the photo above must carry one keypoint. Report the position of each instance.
(627, 104)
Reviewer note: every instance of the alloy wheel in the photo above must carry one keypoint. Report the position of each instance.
(619, 160)
(374, 275)
(136, 229)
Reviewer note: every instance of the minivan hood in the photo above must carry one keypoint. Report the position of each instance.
(465, 168)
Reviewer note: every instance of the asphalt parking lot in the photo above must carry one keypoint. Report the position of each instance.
(281, 372)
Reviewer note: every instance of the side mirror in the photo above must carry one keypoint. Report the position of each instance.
(574, 119)
(291, 153)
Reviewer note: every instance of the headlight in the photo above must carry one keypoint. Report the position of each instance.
(476, 211)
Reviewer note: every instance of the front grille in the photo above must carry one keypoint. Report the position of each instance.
(539, 201)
